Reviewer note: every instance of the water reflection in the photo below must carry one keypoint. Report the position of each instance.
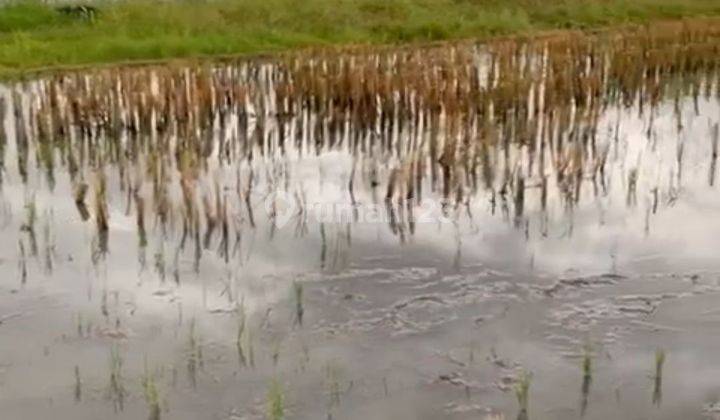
(315, 196)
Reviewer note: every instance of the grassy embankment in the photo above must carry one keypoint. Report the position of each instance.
(35, 36)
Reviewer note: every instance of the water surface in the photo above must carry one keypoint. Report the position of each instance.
(393, 234)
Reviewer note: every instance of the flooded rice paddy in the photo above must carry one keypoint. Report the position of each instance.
(521, 229)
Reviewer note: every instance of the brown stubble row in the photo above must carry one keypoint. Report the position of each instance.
(499, 117)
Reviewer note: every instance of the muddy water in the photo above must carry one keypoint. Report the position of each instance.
(249, 243)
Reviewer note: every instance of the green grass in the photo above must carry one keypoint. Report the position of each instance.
(35, 36)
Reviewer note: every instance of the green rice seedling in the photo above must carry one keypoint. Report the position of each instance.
(276, 352)
(239, 345)
(151, 394)
(250, 348)
(587, 365)
(194, 354)
(587, 380)
(22, 263)
(275, 401)
(80, 327)
(298, 301)
(333, 385)
(153, 400)
(657, 377)
(522, 392)
(304, 355)
(116, 387)
(323, 246)
(78, 385)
